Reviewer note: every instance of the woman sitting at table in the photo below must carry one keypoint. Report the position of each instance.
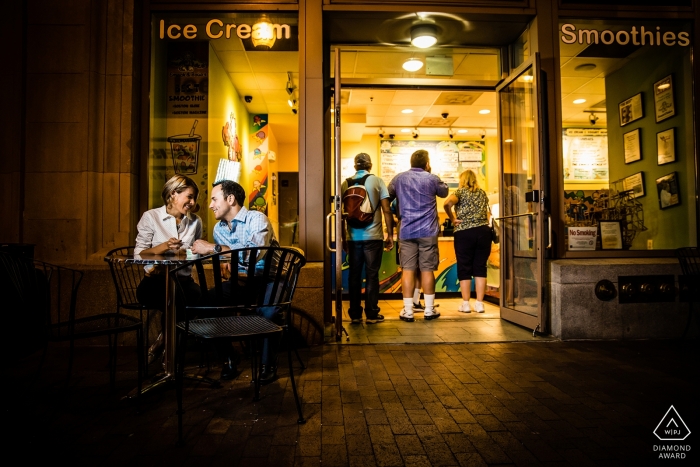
(168, 230)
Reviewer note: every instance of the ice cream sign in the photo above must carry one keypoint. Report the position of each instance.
(262, 31)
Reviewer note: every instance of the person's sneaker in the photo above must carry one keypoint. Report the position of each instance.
(479, 307)
(376, 320)
(419, 306)
(464, 308)
(406, 316)
(429, 314)
(356, 321)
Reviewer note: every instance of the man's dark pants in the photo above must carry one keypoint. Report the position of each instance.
(367, 254)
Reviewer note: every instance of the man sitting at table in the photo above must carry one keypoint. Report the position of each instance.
(240, 228)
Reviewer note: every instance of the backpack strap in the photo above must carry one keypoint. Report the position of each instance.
(357, 181)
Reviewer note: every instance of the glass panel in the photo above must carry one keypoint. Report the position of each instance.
(220, 86)
(628, 135)
(519, 164)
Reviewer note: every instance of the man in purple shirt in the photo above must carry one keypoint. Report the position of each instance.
(416, 190)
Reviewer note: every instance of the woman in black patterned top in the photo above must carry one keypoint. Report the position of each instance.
(472, 237)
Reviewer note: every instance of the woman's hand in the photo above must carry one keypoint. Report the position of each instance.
(173, 244)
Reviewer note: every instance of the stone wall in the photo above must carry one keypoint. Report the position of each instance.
(576, 313)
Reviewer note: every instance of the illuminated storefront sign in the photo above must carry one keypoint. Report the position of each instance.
(216, 29)
(642, 36)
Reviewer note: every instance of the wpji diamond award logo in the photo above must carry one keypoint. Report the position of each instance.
(671, 428)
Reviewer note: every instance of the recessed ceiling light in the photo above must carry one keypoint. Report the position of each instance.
(405, 130)
(412, 64)
(462, 131)
(484, 111)
(585, 67)
(579, 101)
(407, 111)
(509, 141)
(423, 35)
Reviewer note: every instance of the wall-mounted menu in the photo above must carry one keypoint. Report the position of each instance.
(585, 154)
(447, 158)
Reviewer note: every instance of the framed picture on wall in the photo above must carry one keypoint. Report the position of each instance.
(666, 146)
(667, 187)
(610, 235)
(663, 99)
(633, 150)
(635, 183)
(631, 109)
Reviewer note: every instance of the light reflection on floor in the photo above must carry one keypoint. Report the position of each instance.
(452, 326)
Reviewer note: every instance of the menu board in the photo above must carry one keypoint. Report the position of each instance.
(585, 154)
(447, 158)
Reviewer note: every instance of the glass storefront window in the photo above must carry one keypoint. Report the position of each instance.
(223, 105)
(628, 139)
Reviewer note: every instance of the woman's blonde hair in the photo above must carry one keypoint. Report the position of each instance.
(467, 179)
(178, 184)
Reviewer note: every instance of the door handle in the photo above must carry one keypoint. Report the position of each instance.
(328, 232)
(517, 215)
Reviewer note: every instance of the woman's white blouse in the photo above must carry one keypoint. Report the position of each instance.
(157, 226)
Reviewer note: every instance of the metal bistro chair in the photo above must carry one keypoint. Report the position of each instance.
(689, 259)
(44, 296)
(126, 279)
(270, 281)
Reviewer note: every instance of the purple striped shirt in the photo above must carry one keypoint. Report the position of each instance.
(416, 190)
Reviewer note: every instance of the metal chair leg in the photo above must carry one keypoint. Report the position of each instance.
(301, 419)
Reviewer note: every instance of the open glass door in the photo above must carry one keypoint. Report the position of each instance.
(521, 216)
(333, 229)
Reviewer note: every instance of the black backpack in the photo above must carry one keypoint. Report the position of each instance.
(357, 208)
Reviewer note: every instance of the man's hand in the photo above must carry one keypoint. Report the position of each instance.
(202, 247)
(388, 244)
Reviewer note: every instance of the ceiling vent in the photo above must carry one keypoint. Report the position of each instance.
(457, 98)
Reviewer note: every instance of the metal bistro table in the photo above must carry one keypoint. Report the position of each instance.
(168, 262)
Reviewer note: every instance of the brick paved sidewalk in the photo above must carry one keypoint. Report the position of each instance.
(546, 403)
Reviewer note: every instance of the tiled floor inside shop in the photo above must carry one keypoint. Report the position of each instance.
(452, 326)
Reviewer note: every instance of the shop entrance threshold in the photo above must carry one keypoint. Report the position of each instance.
(452, 326)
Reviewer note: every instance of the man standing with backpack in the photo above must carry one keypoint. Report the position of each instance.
(365, 202)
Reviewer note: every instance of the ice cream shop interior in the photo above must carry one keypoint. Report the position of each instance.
(580, 123)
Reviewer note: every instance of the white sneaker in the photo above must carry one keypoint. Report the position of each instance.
(464, 308)
(479, 307)
(430, 313)
(406, 316)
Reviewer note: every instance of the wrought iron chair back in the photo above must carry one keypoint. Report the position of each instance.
(126, 278)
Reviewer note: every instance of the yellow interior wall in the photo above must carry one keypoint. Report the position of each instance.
(226, 101)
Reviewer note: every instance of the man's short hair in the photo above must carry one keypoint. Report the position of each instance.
(363, 161)
(229, 187)
(419, 159)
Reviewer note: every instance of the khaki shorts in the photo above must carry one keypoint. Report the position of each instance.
(419, 254)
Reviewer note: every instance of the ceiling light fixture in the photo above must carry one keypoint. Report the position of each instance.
(450, 133)
(423, 35)
(509, 140)
(263, 33)
(462, 131)
(381, 133)
(585, 67)
(484, 111)
(579, 101)
(415, 133)
(412, 64)
(405, 130)
(528, 78)
(292, 102)
(407, 111)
